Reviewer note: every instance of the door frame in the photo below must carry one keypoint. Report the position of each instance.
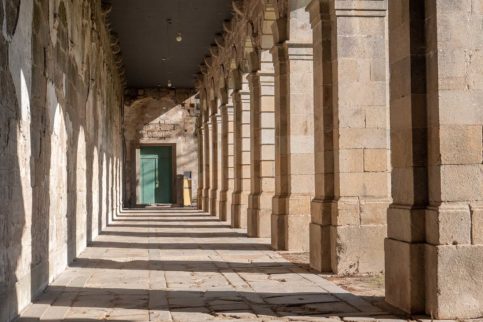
(137, 166)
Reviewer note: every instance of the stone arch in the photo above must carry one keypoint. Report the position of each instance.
(211, 89)
(251, 52)
(222, 88)
(58, 188)
(81, 191)
(235, 79)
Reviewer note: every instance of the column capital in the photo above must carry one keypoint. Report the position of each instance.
(292, 51)
(358, 8)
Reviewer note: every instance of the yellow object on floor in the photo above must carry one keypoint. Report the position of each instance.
(186, 192)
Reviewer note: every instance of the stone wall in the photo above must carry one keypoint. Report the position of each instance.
(378, 138)
(160, 117)
(59, 140)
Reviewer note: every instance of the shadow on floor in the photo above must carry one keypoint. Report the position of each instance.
(207, 289)
(174, 234)
(66, 320)
(162, 216)
(161, 210)
(271, 268)
(155, 220)
(167, 226)
(181, 245)
(216, 303)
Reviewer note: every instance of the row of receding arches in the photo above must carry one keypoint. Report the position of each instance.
(338, 127)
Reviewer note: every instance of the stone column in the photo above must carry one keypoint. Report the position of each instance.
(320, 239)
(199, 196)
(404, 248)
(434, 250)
(223, 162)
(206, 159)
(353, 136)
(262, 147)
(230, 170)
(219, 161)
(214, 161)
(241, 100)
(294, 130)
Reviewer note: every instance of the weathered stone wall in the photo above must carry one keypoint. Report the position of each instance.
(59, 140)
(160, 117)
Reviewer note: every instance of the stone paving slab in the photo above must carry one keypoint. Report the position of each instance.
(180, 265)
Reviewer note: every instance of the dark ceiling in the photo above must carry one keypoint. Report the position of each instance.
(146, 38)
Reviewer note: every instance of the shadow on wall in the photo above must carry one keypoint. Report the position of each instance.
(49, 168)
(142, 109)
(12, 211)
(39, 168)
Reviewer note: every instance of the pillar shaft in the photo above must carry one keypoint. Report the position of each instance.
(199, 195)
(223, 162)
(230, 164)
(435, 222)
(241, 100)
(219, 157)
(294, 126)
(353, 170)
(405, 283)
(206, 170)
(263, 150)
(213, 126)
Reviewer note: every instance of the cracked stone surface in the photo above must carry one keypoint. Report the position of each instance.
(184, 265)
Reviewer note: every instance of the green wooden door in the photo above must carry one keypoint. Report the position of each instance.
(149, 180)
(156, 174)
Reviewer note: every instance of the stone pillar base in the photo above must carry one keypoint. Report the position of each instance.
(222, 210)
(357, 249)
(320, 251)
(347, 235)
(239, 210)
(206, 200)
(229, 197)
(290, 222)
(213, 203)
(238, 217)
(454, 281)
(259, 213)
(290, 232)
(404, 262)
(199, 199)
(259, 223)
(320, 257)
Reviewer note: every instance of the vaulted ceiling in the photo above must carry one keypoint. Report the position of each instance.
(147, 32)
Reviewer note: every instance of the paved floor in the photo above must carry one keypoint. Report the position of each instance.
(183, 265)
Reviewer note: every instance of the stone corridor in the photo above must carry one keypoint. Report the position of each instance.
(185, 265)
(350, 131)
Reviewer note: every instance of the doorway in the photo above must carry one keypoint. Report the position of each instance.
(156, 174)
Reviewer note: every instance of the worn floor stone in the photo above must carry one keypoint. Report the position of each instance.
(184, 265)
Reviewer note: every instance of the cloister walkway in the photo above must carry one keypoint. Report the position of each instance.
(184, 265)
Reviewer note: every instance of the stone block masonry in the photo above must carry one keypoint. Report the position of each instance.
(160, 117)
(60, 147)
(378, 140)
